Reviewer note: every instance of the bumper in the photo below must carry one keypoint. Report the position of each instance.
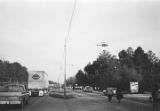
(40, 93)
(10, 102)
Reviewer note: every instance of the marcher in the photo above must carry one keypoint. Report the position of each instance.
(155, 98)
(109, 94)
(119, 95)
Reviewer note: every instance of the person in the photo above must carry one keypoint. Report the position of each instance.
(155, 98)
(109, 94)
(119, 95)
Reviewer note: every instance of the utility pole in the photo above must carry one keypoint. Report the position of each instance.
(65, 69)
(65, 47)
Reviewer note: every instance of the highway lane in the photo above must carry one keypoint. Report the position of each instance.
(82, 102)
(33, 102)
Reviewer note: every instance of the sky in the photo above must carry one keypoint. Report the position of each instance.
(33, 32)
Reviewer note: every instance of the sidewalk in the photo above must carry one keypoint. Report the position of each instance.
(144, 98)
(137, 96)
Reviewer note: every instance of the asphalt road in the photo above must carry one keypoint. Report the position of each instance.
(82, 102)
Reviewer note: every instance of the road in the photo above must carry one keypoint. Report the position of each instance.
(82, 102)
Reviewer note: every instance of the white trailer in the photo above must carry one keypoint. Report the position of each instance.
(38, 83)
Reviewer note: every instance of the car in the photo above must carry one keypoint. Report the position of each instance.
(14, 94)
(105, 92)
(88, 89)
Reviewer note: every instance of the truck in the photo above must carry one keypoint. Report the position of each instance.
(14, 94)
(37, 83)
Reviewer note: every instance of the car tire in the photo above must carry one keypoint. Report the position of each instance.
(26, 101)
(22, 104)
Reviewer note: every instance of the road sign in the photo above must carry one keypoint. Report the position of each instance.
(134, 87)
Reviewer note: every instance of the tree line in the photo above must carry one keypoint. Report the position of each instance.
(130, 66)
(13, 73)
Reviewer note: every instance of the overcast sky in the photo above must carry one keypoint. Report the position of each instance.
(32, 32)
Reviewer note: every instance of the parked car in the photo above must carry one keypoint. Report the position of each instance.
(105, 92)
(88, 89)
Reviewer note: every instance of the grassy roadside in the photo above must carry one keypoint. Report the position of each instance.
(138, 97)
(60, 94)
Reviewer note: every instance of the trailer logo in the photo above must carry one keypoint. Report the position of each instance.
(35, 76)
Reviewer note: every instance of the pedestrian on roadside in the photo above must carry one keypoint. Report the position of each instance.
(119, 95)
(109, 94)
(155, 98)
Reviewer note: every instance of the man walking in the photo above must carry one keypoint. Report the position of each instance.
(155, 98)
(119, 95)
(109, 94)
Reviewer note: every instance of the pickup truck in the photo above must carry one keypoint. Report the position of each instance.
(14, 94)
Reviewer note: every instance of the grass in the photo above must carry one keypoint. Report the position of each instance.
(59, 93)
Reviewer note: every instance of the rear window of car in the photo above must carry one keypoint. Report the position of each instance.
(11, 88)
(88, 88)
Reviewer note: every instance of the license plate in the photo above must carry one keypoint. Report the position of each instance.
(10, 102)
(15, 102)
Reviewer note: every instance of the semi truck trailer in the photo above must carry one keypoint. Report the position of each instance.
(37, 83)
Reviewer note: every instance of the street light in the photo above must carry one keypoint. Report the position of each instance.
(65, 46)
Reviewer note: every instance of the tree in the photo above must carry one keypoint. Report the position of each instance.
(13, 72)
(152, 57)
(138, 66)
(103, 71)
(132, 65)
(71, 81)
(154, 67)
(129, 70)
(156, 73)
(80, 78)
